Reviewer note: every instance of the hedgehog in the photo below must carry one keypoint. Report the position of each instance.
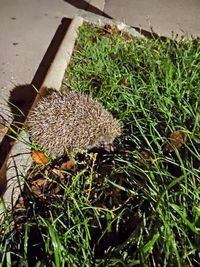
(71, 121)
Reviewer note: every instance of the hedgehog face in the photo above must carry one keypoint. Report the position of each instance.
(104, 142)
(108, 146)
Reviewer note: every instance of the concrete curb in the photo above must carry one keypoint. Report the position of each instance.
(18, 161)
(101, 21)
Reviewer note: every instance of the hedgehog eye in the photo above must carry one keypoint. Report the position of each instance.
(102, 144)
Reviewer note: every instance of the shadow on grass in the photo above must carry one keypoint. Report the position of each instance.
(102, 239)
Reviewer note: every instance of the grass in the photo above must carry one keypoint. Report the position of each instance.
(138, 206)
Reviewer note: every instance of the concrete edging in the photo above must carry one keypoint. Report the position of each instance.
(18, 161)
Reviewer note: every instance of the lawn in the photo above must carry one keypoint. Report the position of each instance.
(138, 205)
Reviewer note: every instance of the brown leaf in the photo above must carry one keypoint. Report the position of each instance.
(57, 189)
(109, 28)
(3, 131)
(39, 186)
(176, 140)
(20, 203)
(68, 165)
(39, 157)
(124, 82)
(146, 154)
(62, 178)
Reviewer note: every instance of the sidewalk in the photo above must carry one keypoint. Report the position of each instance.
(27, 28)
(164, 16)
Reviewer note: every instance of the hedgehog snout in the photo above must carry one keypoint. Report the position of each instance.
(108, 147)
(106, 143)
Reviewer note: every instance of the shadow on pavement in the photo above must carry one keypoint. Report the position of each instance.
(23, 96)
(82, 4)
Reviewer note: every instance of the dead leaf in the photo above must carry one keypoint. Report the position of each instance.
(3, 131)
(90, 77)
(39, 186)
(20, 203)
(146, 154)
(62, 178)
(39, 157)
(3, 128)
(68, 165)
(176, 140)
(57, 189)
(109, 28)
(124, 82)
